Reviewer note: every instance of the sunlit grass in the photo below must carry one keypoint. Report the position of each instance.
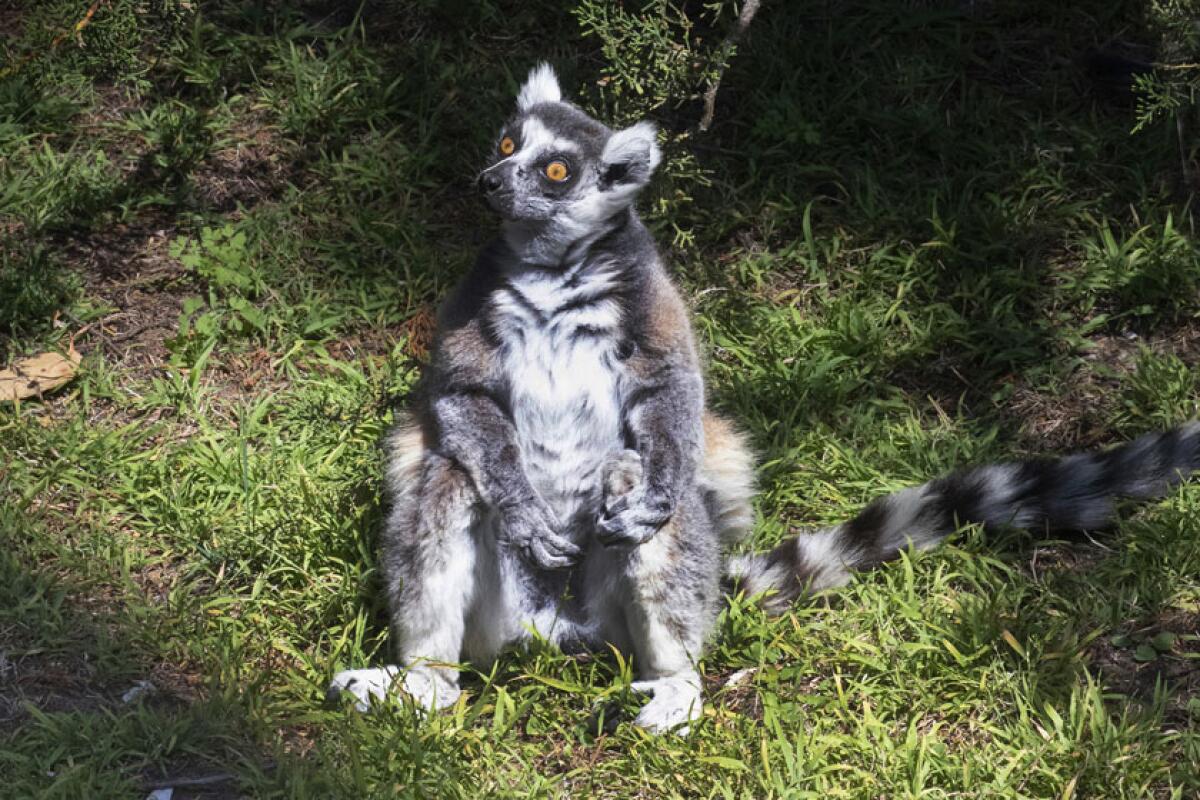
(919, 242)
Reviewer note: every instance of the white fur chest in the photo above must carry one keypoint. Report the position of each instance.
(559, 346)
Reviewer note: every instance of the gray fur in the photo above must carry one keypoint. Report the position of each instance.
(559, 473)
(1076, 492)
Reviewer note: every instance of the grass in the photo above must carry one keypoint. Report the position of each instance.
(915, 238)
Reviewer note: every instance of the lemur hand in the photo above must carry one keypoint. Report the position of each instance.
(632, 513)
(634, 519)
(531, 526)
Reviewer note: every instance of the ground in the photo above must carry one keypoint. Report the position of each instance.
(918, 235)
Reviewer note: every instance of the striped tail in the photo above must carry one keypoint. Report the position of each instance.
(1076, 492)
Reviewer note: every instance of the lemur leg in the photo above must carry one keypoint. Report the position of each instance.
(672, 602)
(668, 591)
(428, 558)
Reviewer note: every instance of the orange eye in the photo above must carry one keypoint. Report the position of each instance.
(556, 171)
(507, 146)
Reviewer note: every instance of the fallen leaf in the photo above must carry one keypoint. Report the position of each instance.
(420, 329)
(1012, 642)
(36, 375)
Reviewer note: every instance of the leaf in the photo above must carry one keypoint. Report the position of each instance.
(1163, 642)
(724, 762)
(1012, 642)
(36, 375)
(1145, 652)
(555, 683)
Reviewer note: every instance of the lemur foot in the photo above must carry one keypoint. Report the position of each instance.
(366, 685)
(622, 473)
(427, 687)
(631, 515)
(675, 701)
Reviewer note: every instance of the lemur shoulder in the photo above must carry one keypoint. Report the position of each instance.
(559, 472)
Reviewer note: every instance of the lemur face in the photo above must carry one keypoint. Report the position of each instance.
(555, 165)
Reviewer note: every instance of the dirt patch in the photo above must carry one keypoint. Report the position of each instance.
(556, 761)
(957, 737)
(87, 661)
(248, 373)
(129, 269)
(128, 266)
(1178, 668)
(12, 22)
(256, 166)
(1075, 415)
(72, 682)
(1078, 414)
(735, 692)
(101, 121)
(1077, 556)
(48, 683)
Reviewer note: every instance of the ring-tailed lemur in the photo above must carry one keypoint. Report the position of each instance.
(560, 473)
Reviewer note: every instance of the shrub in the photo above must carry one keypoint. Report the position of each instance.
(1171, 92)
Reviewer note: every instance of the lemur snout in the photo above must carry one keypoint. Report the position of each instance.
(490, 182)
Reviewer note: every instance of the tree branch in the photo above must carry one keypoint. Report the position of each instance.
(749, 9)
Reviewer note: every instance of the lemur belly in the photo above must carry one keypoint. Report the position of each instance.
(564, 380)
(564, 442)
(564, 383)
(565, 407)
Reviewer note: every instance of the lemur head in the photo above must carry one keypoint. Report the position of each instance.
(558, 175)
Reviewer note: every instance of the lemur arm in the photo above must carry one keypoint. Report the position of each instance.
(465, 397)
(475, 430)
(663, 420)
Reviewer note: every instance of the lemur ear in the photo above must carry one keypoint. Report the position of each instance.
(631, 155)
(540, 87)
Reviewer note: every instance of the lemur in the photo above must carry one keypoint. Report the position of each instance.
(560, 476)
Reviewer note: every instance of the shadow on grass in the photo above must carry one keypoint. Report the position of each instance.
(87, 708)
(966, 139)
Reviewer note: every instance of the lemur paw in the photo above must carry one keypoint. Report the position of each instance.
(366, 685)
(430, 688)
(633, 519)
(631, 515)
(531, 528)
(427, 687)
(675, 702)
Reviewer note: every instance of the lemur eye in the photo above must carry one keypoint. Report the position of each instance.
(556, 171)
(507, 146)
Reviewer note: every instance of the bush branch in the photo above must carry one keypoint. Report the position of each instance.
(749, 9)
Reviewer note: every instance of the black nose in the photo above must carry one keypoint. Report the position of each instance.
(489, 182)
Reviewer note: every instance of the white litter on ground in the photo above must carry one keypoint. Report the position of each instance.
(138, 690)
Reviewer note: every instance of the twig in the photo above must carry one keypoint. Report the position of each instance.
(710, 95)
(1184, 162)
(200, 780)
(1090, 538)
